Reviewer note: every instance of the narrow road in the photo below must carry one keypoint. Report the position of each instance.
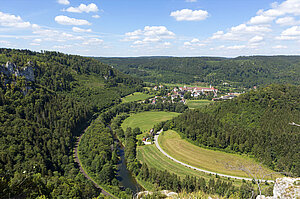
(195, 168)
(82, 170)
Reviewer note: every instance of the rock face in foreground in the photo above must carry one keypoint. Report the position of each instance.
(285, 188)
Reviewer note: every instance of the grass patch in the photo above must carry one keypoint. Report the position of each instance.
(135, 97)
(210, 160)
(192, 104)
(146, 120)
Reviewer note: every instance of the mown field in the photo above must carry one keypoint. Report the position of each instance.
(146, 120)
(135, 97)
(192, 104)
(150, 155)
(210, 160)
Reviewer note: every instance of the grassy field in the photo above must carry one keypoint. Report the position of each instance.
(146, 120)
(154, 158)
(150, 155)
(210, 160)
(192, 104)
(135, 97)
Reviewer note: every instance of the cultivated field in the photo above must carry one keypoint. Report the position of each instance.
(206, 159)
(146, 120)
(150, 155)
(192, 104)
(135, 97)
(154, 158)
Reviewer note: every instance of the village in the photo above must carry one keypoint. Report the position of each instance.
(182, 94)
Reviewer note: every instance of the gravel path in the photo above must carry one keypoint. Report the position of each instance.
(195, 168)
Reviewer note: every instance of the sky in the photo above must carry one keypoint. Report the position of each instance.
(123, 28)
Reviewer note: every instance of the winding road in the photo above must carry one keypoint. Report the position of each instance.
(83, 171)
(195, 168)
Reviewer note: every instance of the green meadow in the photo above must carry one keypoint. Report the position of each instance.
(135, 97)
(192, 104)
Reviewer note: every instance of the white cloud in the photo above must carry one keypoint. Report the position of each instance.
(191, 1)
(63, 2)
(189, 15)
(63, 46)
(76, 29)
(37, 40)
(9, 20)
(96, 16)
(256, 39)
(241, 32)
(279, 47)
(54, 35)
(293, 31)
(193, 43)
(34, 44)
(289, 7)
(236, 47)
(83, 8)
(93, 41)
(3, 42)
(243, 28)
(282, 37)
(261, 19)
(64, 20)
(150, 34)
(158, 31)
(287, 21)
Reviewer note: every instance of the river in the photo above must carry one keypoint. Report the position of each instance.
(124, 176)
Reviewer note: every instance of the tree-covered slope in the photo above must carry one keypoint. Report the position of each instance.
(240, 71)
(40, 119)
(259, 123)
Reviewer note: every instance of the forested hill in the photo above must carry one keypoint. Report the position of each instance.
(45, 100)
(240, 71)
(259, 123)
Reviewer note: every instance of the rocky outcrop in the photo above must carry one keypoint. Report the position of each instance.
(11, 69)
(285, 188)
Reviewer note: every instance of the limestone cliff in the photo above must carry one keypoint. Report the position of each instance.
(285, 188)
(11, 69)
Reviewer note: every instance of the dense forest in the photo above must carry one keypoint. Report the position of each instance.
(239, 72)
(258, 123)
(40, 119)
